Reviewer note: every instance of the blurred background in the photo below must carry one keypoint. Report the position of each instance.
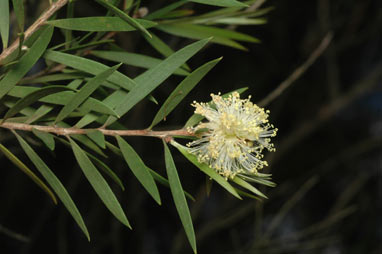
(328, 163)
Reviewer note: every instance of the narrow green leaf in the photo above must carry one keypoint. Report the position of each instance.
(260, 180)
(196, 118)
(26, 62)
(240, 21)
(159, 45)
(99, 163)
(62, 98)
(45, 137)
(222, 3)
(54, 77)
(162, 47)
(68, 33)
(75, 84)
(89, 66)
(99, 24)
(99, 184)
(18, 7)
(179, 198)
(178, 14)
(32, 98)
(165, 10)
(107, 170)
(124, 16)
(132, 59)
(4, 22)
(55, 183)
(85, 92)
(220, 36)
(206, 169)
(139, 169)
(182, 90)
(152, 78)
(87, 45)
(27, 171)
(248, 186)
(39, 113)
(160, 179)
(97, 137)
(246, 194)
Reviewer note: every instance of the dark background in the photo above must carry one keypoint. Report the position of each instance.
(327, 164)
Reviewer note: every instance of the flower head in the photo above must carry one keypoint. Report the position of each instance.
(234, 137)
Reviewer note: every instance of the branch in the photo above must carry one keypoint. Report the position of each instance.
(298, 72)
(326, 112)
(34, 27)
(72, 131)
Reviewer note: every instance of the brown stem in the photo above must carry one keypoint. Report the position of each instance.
(72, 131)
(34, 27)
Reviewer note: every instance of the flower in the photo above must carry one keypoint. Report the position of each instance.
(234, 137)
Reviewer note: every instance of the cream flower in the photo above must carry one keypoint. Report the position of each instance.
(234, 137)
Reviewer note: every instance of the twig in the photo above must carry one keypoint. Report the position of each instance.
(297, 73)
(14, 235)
(72, 131)
(34, 27)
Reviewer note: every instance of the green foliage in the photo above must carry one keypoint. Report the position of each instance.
(178, 196)
(76, 88)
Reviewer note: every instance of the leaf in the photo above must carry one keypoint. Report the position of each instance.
(54, 77)
(40, 112)
(85, 92)
(89, 66)
(220, 36)
(68, 33)
(248, 186)
(178, 14)
(107, 170)
(206, 169)
(99, 184)
(28, 172)
(152, 78)
(62, 98)
(178, 196)
(240, 21)
(25, 63)
(87, 45)
(222, 3)
(196, 118)
(165, 10)
(156, 176)
(97, 137)
(32, 98)
(133, 59)
(182, 90)
(162, 48)
(98, 24)
(4, 22)
(99, 163)
(246, 194)
(139, 169)
(18, 7)
(165, 182)
(55, 183)
(45, 137)
(124, 16)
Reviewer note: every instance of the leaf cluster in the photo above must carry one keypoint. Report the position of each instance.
(78, 91)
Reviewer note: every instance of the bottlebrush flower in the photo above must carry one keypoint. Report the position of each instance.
(233, 139)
